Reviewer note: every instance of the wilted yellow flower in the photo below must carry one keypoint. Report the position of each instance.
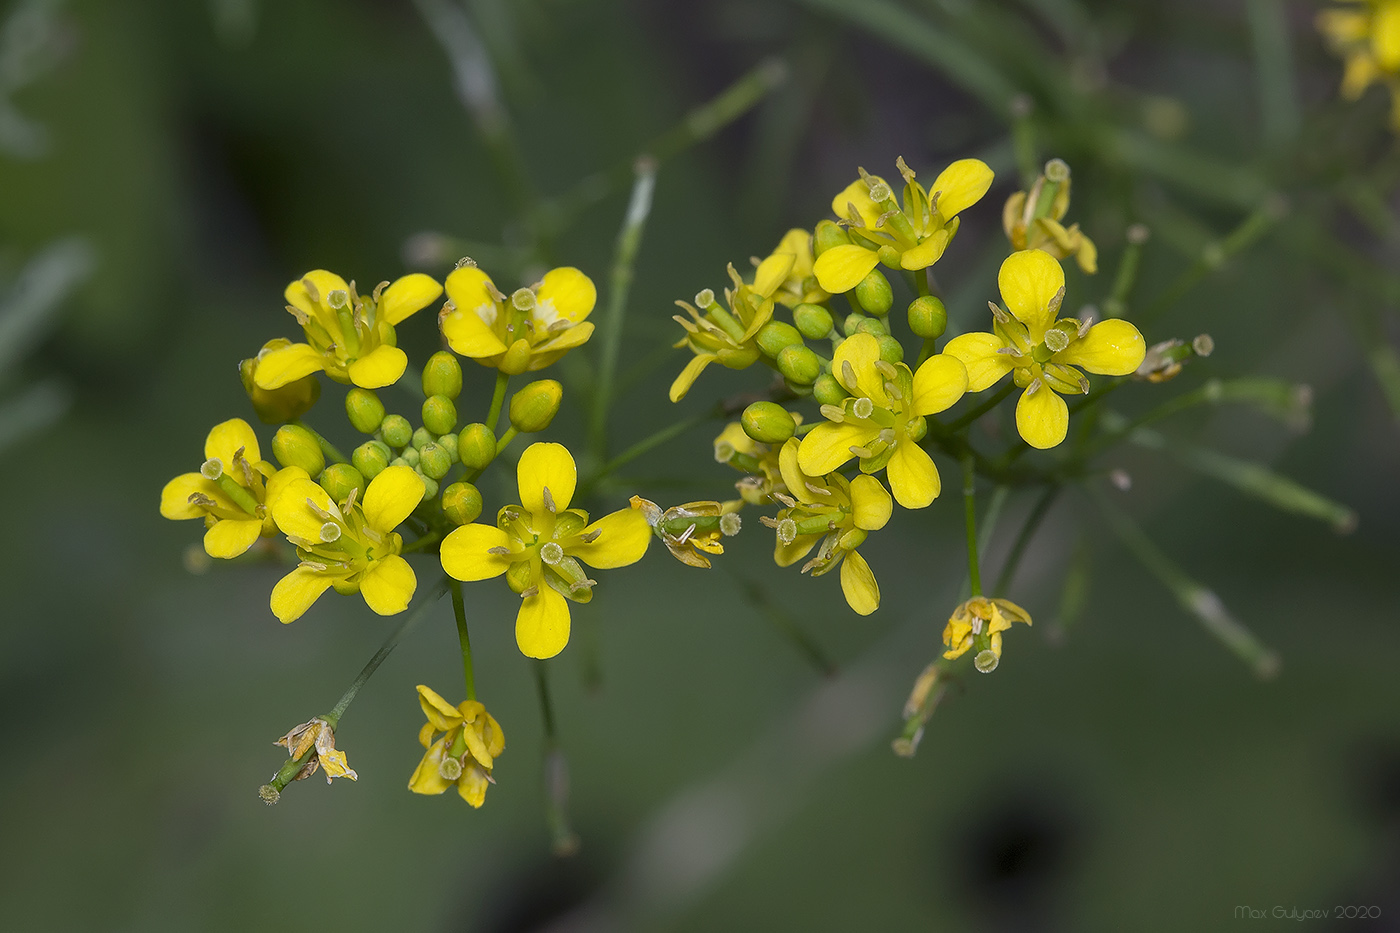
(1032, 220)
(1367, 35)
(728, 332)
(317, 734)
(464, 755)
(693, 530)
(522, 332)
(978, 623)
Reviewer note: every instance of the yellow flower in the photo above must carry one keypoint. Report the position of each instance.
(1041, 352)
(351, 546)
(693, 530)
(758, 460)
(883, 422)
(524, 332)
(1032, 220)
(539, 544)
(978, 623)
(839, 513)
(471, 742)
(912, 237)
(1367, 36)
(801, 285)
(350, 338)
(728, 334)
(231, 491)
(317, 734)
(275, 406)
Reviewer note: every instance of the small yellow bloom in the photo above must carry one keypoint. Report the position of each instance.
(884, 420)
(230, 492)
(978, 623)
(728, 332)
(464, 755)
(693, 530)
(1041, 352)
(539, 544)
(317, 734)
(523, 332)
(910, 237)
(1366, 34)
(839, 513)
(276, 406)
(1032, 219)
(349, 337)
(758, 460)
(801, 285)
(351, 546)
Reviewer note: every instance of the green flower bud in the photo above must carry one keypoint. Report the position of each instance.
(774, 336)
(799, 364)
(891, 351)
(371, 458)
(813, 321)
(476, 446)
(365, 410)
(874, 326)
(410, 456)
(339, 479)
(442, 375)
(293, 445)
(422, 438)
(927, 317)
(828, 234)
(534, 407)
(874, 293)
(448, 442)
(434, 461)
(462, 503)
(396, 431)
(767, 423)
(439, 415)
(852, 325)
(430, 487)
(275, 406)
(827, 391)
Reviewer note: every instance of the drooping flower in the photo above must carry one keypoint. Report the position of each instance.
(463, 755)
(350, 545)
(280, 405)
(1366, 33)
(1032, 219)
(910, 237)
(758, 460)
(978, 623)
(317, 734)
(349, 337)
(541, 544)
(1041, 352)
(884, 420)
(801, 285)
(231, 491)
(522, 332)
(692, 531)
(837, 512)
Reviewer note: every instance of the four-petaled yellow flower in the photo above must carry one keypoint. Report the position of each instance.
(231, 491)
(351, 546)
(1042, 352)
(801, 285)
(1367, 36)
(319, 735)
(839, 513)
(884, 420)
(1031, 224)
(978, 623)
(472, 740)
(539, 544)
(911, 237)
(522, 332)
(728, 335)
(349, 337)
(692, 531)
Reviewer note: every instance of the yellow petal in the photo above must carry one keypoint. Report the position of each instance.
(912, 475)
(382, 367)
(231, 537)
(295, 593)
(622, 539)
(392, 496)
(862, 351)
(427, 779)
(175, 497)
(324, 282)
(857, 193)
(785, 555)
(772, 272)
(871, 505)
(476, 746)
(842, 267)
(692, 371)
(226, 439)
(939, 383)
(828, 445)
(542, 626)
(1111, 348)
(961, 185)
(1029, 280)
(793, 477)
(466, 553)
(1385, 36)
(926, 253)
(858, 583)
(292, 514)
(565, 339)
(567, 294)
(978, 352)
(388, 585)
(471, 786)
(1042, 417)
(287, 364)
(546, 466)
(407, 296)
(465, 327)
(441, 714)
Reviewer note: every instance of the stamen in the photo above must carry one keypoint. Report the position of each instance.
(787, 500)
(466, 262)
(584, 584)
(212, 469)
(829, 412)
(848, 372)
(302, 318)
(864, 453)
(886, 369)
(1001, 316)
(686, 535)
(548, 500)
(530, 591)
(312, 291)
(499, 551)
(893, 392)
(201, 500)
(589, 537)
(1010, 351)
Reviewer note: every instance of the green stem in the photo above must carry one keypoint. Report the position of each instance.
(564, 841)
(786, 625)
(1023, 538)
(983, 407)
(422, 544)
(650, 442)
(459, 609)
(498, 398)
(1117, 303)
(327, 447)
(974, 573)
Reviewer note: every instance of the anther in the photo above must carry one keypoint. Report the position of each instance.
(589, 537)
(548, 499)
(530, 591)
(886, 369)
(499, 551)
(864, 453)
(829, 412)
(848, 373)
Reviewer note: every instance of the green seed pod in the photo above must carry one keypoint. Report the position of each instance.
(439, 415)
(775, 336)
(767, 423)
(799, 364)
(365, 410)
(476, 446)
(461, 502)
(411, 456)
(827, 391)
(430, 487)
(874, 293)
(853, 322)
(927, 317)
(396, 431)
(422, 438)
(813, 321)
(874, 326)
(828, 234)
(891, 351)
(434, 461)
(534, 407)
(339, 479)
(448, 442)
(371, 458)
(293, 445)
(442, 375)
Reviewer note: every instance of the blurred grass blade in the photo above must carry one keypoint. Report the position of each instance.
(1074, 595)
(32, 305)
(1273, 63)
(36, 407)
(1385, 366)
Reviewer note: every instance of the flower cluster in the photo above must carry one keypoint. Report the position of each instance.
(1366, 34)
